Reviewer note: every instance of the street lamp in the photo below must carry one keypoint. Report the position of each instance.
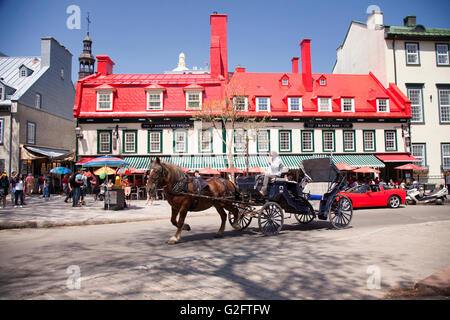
(78, 133)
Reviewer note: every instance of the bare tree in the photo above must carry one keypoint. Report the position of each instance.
(229, 114)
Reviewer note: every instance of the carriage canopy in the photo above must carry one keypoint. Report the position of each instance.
(320, 169)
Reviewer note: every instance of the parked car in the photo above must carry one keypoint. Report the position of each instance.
(375, 196)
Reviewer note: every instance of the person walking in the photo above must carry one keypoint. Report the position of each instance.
(69, 192)
(30, 184)
(47, 187)
(19, 190)
(41, 184)
(12, 185)
(4, 188)
(75, 184)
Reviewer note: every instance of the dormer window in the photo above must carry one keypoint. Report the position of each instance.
(382, 105)
(285, 82)
(193, 100)
(295, 103)
(263, 104)
(23, 72)
(323, 82)
(348, 104)
(324, 104)
(105, 97)
(154, 100)
(240, 103)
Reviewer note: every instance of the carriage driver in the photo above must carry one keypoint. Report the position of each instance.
(275, 168)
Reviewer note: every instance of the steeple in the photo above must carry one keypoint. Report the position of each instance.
(86, 59)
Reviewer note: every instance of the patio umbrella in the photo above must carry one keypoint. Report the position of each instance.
(134, 170)
(106, 170)
(236, 170)
(366, 170)
(410, 166)
(255, 170)
(345, 167)
(208, 171)
(105, 161)
(60, 170)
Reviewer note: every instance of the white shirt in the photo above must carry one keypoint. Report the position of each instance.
(276, 167)
(19, 185)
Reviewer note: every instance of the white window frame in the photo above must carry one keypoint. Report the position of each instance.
(323, 82)
(418, 150)
(447, 55)
(393, 140)
(444, 109)
(158, 134)
(127, 134)
(109, 135)
(445, 156)
(352, 102)
(378, 105)
(239, 146)
(304, 139)
(412, 54)
(179, 133)
(2, 129)
(206, 136)
(263, 140)
(235, 103)
(416, 108)
(324, 133)
(319, 105)
(38, 101)
(300, 104)
(199, 93)
(258, 103)
(104, 92)
(31, 138)
(23, 72)
(285, 82)
(161, 102)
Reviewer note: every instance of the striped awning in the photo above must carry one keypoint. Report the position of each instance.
(355, 160)
(189, 162)
(253, 161)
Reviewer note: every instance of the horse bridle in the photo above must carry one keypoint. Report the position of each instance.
(159, 177)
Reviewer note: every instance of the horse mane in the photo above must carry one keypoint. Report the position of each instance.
(175, 171)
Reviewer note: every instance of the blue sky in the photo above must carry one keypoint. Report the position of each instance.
(147, 36)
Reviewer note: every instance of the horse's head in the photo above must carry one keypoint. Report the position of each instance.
(158, 174)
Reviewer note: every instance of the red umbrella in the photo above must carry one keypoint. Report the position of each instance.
(366, 170)
(410, 166)
(236, 170)
(133, 170)
(255, 170)
(345, 167)
(208, 171)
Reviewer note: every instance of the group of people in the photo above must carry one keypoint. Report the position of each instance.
(77, 185)
(19, 186)
(399, 184)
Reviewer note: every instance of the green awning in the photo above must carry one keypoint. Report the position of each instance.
(253, 161)
(355, 160)
(189, 162)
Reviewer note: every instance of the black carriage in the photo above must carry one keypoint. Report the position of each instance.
(293, 197)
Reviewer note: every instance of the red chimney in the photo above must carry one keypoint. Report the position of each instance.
(104, 65)
(294, 64)
(240, 69)
(305, 46)
(218, 51)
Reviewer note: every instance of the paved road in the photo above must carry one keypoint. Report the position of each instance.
(133, 261)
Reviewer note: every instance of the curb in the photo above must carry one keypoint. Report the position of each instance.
(438, 282)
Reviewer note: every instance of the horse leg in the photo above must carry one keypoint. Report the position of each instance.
(176, 237)
(235, 212)
(223, 216)
(174, 220)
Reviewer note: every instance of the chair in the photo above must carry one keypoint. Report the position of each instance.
(134, 193)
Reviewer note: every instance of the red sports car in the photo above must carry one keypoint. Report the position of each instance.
(375, 196)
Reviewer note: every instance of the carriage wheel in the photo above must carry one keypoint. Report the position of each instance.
(271, 218)
(340, 212)
(243, 220)
(305, 217)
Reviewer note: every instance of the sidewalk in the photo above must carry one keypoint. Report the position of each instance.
(39, 213)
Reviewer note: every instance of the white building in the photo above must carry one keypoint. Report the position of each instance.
(416, 59)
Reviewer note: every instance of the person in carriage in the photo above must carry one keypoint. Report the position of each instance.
(275, 169)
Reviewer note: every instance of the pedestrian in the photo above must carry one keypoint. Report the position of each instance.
(47, 187)
(4, 188)
(12, 185)
(83, 188)
(65, 181)
(75, 184)
(41, 184)
(69, 192)
(93, 183)
(30, 184)
(19, 190)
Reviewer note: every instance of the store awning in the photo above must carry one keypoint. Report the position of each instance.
(47, 152)
(355, 160)
(253, 161)
(84, 160)
(399, 157)
(189, 162)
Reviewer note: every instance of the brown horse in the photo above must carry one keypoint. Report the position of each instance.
(174, 180)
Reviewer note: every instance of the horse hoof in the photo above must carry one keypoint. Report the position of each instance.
(218, 235)
(186, 227)
(237, 226)
(172, 240)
